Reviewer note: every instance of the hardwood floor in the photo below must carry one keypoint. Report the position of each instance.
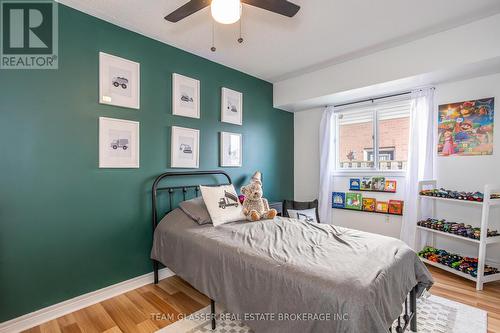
(134, 311)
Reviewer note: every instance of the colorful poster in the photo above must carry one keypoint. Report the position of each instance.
(466, 128)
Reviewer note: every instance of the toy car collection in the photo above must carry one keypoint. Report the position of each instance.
(460, 229)
(449, 194)
(464, 264)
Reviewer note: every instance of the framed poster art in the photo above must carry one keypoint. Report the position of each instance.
(185, 152)
(185, 96)
(466, 128)
(231, 107)
(119, 81)
(231, 147)
(118, 143)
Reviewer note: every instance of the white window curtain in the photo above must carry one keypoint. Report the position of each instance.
(421, 160)
(327, 132)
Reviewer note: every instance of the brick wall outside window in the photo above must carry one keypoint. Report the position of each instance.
(358, 137)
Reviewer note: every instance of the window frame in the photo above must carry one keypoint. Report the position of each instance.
(375, 170)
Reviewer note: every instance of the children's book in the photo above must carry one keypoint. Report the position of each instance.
(366, 183)
(369, 204)
(396, 207)
(354, 184)
(338, 200)
(353, 201)
(381, 207)
(390, 186)
(378, 183)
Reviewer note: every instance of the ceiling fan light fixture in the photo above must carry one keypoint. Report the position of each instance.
(226, 11)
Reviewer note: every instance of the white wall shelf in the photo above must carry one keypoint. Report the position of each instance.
(481, 243)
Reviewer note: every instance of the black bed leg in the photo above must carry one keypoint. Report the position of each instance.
(155, 268)
(413, 309)
(212, 311)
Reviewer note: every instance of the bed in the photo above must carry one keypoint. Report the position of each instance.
(298, 277)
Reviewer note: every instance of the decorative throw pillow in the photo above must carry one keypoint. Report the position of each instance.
(197, 210)
(222, 204)
(308, 215)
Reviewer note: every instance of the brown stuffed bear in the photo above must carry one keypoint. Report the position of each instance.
(255, 207)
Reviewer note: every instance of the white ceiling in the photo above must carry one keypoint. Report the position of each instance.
(324, 32)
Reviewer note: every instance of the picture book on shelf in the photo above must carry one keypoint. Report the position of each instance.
(366, 183)
(381, 207)
(378, 183)
(369, 204)
(353, 201)
(338, 200)
(390, 185)
(396, 207)
(354, 184)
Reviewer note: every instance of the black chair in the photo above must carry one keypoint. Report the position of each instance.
(298, 205)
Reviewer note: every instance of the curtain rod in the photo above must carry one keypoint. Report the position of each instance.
(377, 98)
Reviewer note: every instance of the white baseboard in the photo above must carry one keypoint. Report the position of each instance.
(60, 309)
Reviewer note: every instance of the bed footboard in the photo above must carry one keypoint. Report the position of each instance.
(409, 318)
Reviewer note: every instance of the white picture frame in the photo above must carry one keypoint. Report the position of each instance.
(185, 96)
(231, 106)
(185, 148)
(119, 81)
(231, 149)
(119, 143)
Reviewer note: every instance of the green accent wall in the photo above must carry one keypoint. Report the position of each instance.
(68, 227)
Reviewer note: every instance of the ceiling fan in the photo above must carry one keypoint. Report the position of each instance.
(229, 11)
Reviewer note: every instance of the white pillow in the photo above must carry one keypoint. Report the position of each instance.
(222, 204)
(308, 215)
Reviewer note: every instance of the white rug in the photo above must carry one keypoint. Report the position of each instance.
(435, 315)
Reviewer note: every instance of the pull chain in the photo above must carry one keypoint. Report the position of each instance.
(213, 49)
(240, 40)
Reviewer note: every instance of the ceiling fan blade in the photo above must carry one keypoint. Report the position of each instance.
(187, 9)
(282, 7)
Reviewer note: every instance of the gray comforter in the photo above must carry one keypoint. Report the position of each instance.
(284, 275)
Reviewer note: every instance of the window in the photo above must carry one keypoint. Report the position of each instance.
(374, 137)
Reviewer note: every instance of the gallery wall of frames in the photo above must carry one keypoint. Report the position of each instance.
(81, 145)
(119, 85)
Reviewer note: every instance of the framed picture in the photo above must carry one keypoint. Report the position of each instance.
(338, 200)
(231, 147)
(466, 128)
(353, 201)
(185, 148)
(185, 96)
(232, 107)
(118, 143)
(119, 81)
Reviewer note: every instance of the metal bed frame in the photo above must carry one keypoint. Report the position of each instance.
(409, 318)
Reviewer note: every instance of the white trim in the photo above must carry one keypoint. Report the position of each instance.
(368, 172)
(60, 309)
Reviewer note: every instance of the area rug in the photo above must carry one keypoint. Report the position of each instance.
(435, 315)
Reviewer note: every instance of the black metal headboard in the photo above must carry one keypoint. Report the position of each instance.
(171, 190)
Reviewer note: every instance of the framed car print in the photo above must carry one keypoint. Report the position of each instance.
(231, 107)
(185, 96)
(185, 148)
(231, 146)
(118, 143)
(119, 81)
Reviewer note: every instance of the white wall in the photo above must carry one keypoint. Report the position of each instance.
(451, 51)
(461, 173)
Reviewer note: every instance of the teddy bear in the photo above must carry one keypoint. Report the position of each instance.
(255, 207)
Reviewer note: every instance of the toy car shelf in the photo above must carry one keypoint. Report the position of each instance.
(482, 243)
